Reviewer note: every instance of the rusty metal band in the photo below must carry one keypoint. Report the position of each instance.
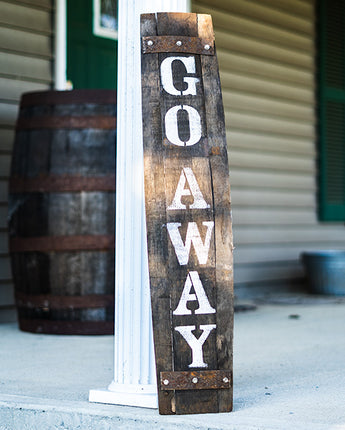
(66, 327)
(68, 97)
(66, 122)
(179, 44)
(196, 380)
(49, 301)
(56, 184)
(62, 243)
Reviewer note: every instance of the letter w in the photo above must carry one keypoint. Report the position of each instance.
(182, 250)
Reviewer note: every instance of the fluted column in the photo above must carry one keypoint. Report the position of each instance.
(134, 366)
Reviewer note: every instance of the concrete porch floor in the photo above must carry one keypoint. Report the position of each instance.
(289, 373)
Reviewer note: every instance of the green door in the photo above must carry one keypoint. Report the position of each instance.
(91, 43)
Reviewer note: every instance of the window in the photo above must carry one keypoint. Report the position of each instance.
(331, 85)
(105, 18)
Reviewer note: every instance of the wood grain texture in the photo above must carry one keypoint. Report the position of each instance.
(62, 210)
(200, 167)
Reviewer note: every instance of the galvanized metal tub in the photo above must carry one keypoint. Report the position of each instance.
(325, 271)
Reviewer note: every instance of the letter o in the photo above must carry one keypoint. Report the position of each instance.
(171, 126)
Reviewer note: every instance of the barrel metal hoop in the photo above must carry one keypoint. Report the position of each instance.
(49, 301)
(62, 243)
(66, 327)
(66, 122)
(89, 96)
(63, 183)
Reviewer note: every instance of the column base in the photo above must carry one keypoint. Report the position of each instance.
(144, 396)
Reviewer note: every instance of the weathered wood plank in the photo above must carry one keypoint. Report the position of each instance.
(188, 213)
(155, 210)
(221, 201)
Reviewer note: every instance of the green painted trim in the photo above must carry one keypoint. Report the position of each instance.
(327, 211)
(91, 59)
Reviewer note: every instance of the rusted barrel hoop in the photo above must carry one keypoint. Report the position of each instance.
(58, 184)
(62, 243)
(50, 301)
(68, 97)
(67, 327)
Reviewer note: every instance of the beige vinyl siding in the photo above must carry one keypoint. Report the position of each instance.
(25, 65)
(266, 55)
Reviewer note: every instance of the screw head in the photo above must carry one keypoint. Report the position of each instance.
(150, 42)
(166, 382)
(225, 380)
(195, 380)
(179, 43)
(207, 47)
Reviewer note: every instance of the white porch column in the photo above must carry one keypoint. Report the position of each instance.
(60, 45)
(134, 366)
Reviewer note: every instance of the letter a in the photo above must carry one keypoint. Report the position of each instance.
(194, 343)
(193, 236)
(193, 280)
(187, 175)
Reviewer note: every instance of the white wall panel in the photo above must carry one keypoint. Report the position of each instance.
(266, 54)
(25, 65)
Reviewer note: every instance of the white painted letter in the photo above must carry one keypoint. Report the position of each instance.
(167, 77)
(196, 344)
(193, 190)
(171, 126)
(193, 236)
(193, 280)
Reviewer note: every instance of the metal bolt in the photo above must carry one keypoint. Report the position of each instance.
(166, 382)
(225, 380)
(207, 47)
(179, 43)
(150, 42)
(195, 380)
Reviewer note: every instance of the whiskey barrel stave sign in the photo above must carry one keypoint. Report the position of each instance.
(187, 197)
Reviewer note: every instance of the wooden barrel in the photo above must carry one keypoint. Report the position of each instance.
(61, 212)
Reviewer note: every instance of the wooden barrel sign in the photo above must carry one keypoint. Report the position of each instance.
(187, 198)
(61, 212)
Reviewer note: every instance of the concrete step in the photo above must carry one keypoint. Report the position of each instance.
(29, 413)
(288, 374)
